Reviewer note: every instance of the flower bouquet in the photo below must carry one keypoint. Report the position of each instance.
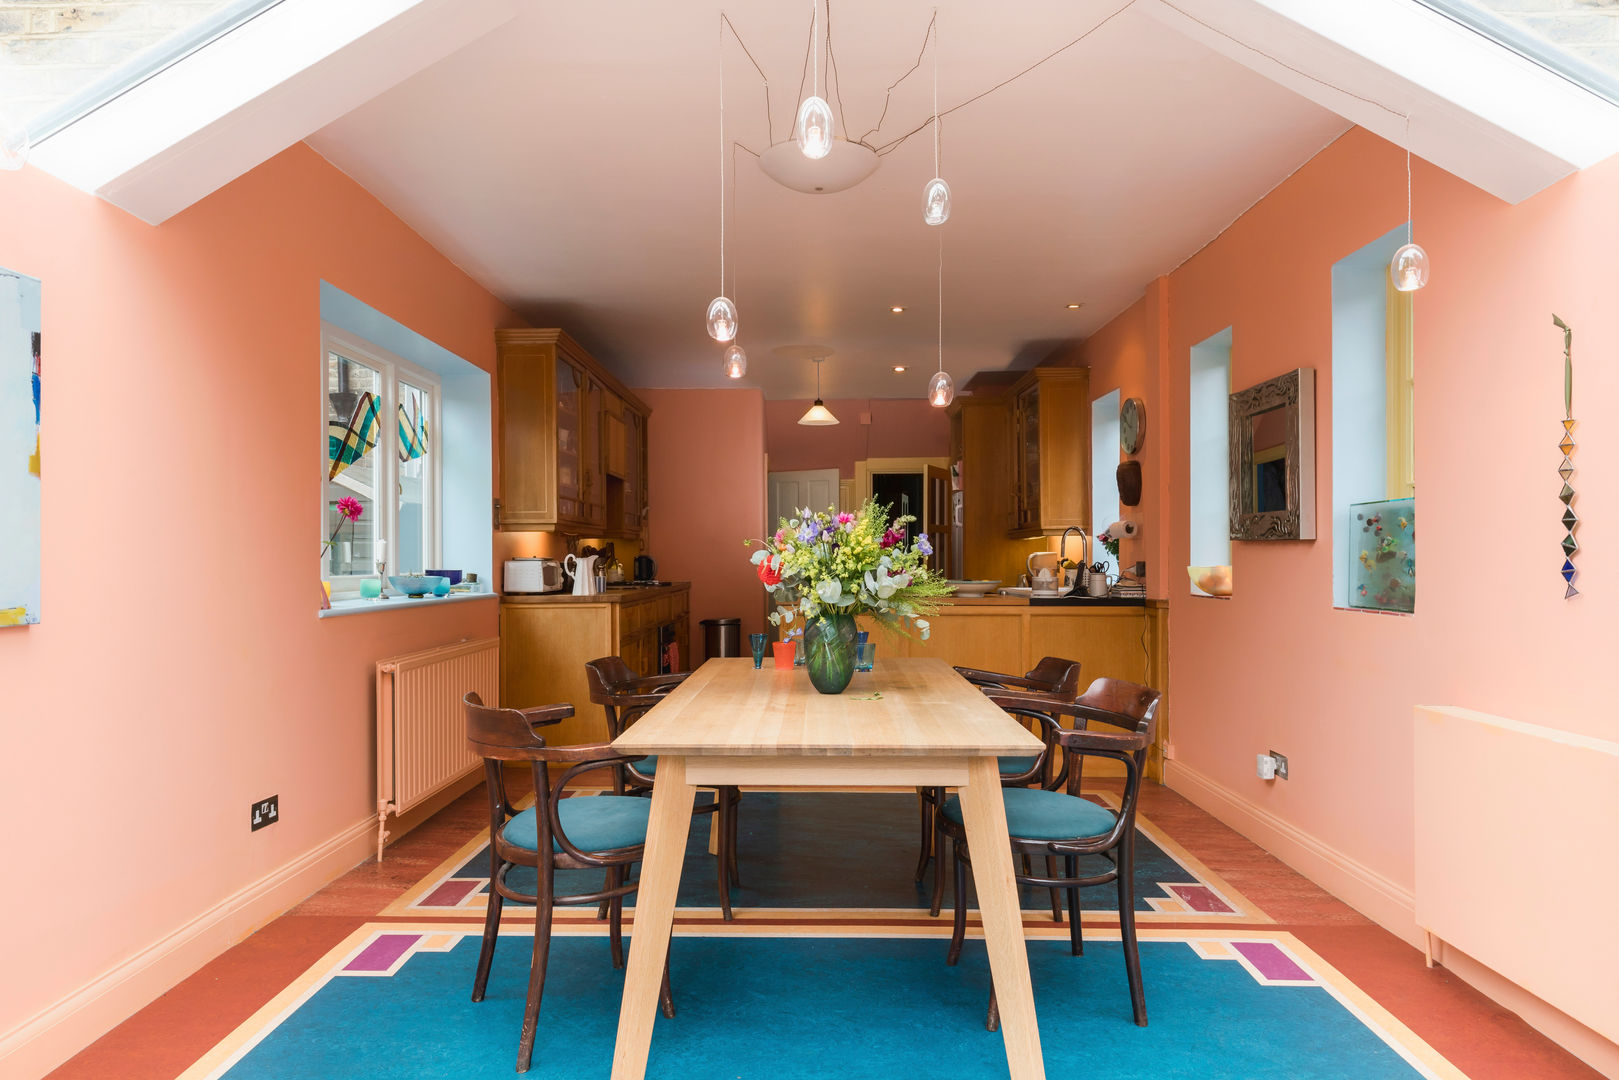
(829, 567)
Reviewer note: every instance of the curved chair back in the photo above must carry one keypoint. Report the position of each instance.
(1061, 677)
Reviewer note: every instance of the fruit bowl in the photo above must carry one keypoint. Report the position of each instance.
(416, 584)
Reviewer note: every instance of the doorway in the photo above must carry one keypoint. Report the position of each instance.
(790, 492)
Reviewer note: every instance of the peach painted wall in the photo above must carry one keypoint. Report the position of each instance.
(1276, 666)
(707, 493)
(899, 428)
(1131, 354)
(181, 672)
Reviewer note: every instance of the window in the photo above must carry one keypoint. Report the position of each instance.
(1574, 40)
(1104, 474)
(380, 449)
(1372, 392)
(1209, 512)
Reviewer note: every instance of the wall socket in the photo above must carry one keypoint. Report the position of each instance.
(266, 812)
(1281, 765)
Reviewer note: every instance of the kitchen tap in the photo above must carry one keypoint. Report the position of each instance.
(1084, 553)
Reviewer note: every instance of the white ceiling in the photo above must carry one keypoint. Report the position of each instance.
(570, 162)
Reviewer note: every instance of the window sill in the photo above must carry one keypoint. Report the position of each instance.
(357, 606)
(1374, 611)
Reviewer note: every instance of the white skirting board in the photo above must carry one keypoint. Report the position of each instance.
(45, 1040)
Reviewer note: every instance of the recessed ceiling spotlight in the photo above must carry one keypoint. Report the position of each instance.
(899, 368)
(896, 309)
(1073, 307)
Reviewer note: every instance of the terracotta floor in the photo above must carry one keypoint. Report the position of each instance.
(1483, 1040)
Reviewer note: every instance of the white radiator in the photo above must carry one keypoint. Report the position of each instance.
(421, 726)
(1517, 865)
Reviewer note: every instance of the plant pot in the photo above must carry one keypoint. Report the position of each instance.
(783, 651)
(829, 643)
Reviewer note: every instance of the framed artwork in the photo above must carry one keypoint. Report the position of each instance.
(19, 449)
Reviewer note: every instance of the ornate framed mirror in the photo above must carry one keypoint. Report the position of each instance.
(1273, 459)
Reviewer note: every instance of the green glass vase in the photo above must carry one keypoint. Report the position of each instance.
(829, 642)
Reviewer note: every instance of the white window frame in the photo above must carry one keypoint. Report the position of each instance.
(385, 503)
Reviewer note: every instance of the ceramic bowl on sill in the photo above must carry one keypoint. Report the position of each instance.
(1214, 580)
(452, 576)
(415, 585)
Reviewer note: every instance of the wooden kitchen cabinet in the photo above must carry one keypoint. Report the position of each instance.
(546, 640)
(1051, 452)
(568, 459)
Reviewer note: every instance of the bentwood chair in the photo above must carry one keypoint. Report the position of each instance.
(556, 833)
(1052, 676)
(624, 696)
(1054, 821)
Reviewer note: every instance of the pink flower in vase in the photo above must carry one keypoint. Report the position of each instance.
(350, 508)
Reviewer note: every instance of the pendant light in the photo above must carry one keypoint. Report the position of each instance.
(722, 317)
(941, 388)
(736, 362)
(818, 415)
(1409, 267)
(813, 131)
(936, 195)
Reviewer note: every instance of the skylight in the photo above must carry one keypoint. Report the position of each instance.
(1577, 39)
(60, 61)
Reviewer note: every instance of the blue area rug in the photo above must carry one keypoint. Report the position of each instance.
(845, 850)
(397, 1006)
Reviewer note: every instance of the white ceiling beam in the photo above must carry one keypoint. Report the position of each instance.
(1477, 109)
(196, 126)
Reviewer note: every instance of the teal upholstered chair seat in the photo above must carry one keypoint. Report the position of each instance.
(647, 766)
(591, 823)
(1036, 814)
(1017, 766)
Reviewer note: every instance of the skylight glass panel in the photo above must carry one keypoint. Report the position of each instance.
(1577, 39)
(60, 61)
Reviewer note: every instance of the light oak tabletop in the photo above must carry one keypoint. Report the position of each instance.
(906, 707)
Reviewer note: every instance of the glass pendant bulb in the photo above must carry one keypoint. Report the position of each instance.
(814, 128)
(736, 362)
(936, 202)
(1409, 268)
(722, 321)
(941, 389)
(13, 144)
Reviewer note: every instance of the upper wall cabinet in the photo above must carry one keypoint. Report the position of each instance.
(1051, 449)
(572, 442)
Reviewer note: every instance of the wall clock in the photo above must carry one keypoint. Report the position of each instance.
(1132, 425)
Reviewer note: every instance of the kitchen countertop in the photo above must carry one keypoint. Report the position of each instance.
(1062, 603)
(634, 595)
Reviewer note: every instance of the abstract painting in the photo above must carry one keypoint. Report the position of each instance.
(19, 449)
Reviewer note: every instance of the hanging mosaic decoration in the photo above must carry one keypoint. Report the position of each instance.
(1571, 520)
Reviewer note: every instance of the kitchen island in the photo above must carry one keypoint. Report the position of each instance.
(1120, 640)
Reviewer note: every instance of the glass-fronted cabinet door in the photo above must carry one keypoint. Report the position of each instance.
(570, 441)
(635, 471)
(593, 482)
(1029, 456)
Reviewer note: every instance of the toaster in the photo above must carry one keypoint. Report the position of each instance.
(531, 576)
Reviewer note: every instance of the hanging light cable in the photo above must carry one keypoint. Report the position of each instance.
(1409, 267)
(813, 131)
(722, 318)
(936, 195)
(736, 357)
(941, 388)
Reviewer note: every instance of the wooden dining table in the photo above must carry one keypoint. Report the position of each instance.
(911, 722)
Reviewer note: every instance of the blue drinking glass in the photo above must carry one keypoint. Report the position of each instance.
(758, 643)
(370, 588)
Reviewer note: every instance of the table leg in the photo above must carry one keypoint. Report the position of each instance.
(984, 817)
(672, 800)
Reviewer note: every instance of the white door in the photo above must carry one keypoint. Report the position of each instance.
(793, 491)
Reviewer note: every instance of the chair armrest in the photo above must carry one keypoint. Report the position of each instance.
(545, 715)
(996, 679)
(1081, 741)
(660, 684)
